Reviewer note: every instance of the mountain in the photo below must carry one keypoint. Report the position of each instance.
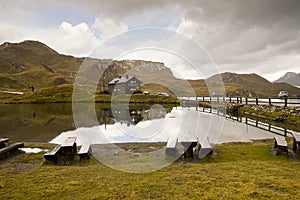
(254, 85)
(34, 63)
(291, 78)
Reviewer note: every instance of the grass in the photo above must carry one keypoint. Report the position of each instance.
(286, 116)
(63, 94)
(240, 171)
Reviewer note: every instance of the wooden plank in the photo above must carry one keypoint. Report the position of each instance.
(205, 144)
(53, 151)
(205, 149)
(84, 152)
(280, 141)
(84, 149)
(296, 136)
(171, 148)
(4, 140)
(52, 155)
(172, 142)
(69, 142)
(11, 147)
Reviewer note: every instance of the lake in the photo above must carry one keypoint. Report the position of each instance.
(54, 122)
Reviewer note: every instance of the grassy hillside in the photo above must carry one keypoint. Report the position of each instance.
(239, 171)
(33, 63)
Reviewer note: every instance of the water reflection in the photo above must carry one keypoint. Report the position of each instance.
(132, 116)
(45, 122)
(200, 126)
(35, 122)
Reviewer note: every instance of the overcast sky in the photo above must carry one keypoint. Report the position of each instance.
(243, 36)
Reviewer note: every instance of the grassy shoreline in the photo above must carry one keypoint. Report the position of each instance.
(286, 117)
(63, 94)
(238, 171)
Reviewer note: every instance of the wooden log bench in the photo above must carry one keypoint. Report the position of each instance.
(296, 141)
(11, 148)
(280, 145)
(171, 148)
(3, 142)
(84, 152)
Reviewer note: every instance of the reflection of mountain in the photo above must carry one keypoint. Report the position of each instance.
(35, 122)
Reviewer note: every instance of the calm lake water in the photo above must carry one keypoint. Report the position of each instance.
(54, 122)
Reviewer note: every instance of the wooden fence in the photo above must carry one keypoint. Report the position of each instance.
(294, 102)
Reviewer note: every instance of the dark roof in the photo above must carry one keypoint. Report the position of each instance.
(123, 79)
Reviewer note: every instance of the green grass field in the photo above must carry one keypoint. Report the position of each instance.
(238, 171)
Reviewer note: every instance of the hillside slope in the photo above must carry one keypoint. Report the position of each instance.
(34, 63)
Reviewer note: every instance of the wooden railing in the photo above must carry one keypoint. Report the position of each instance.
(294, 102)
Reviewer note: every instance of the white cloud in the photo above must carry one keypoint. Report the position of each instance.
(239, 36)
(10, 33)
(109, 27)
(78, 40)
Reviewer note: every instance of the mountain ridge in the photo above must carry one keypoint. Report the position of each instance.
(34, 63)
(291, 78)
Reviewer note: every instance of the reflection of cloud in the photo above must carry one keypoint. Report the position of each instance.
(186, 124)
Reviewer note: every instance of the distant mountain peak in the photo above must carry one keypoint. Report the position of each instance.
(28, 45)
(290, 78)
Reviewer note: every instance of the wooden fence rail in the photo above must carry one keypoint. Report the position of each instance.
(294, 102)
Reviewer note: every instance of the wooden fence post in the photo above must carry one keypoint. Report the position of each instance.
(285, 102)
(270, 102)
(246, 99)
(256, 101)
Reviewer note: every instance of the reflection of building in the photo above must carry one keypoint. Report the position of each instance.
(127, 116)
(124, 85)
(130, 116)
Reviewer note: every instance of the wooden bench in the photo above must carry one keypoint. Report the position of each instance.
(296, 139)
(84, 152)
(10, 148)
(280, 145)
(3, 142)
(171, 148)
(52, 155)
(66, 151)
